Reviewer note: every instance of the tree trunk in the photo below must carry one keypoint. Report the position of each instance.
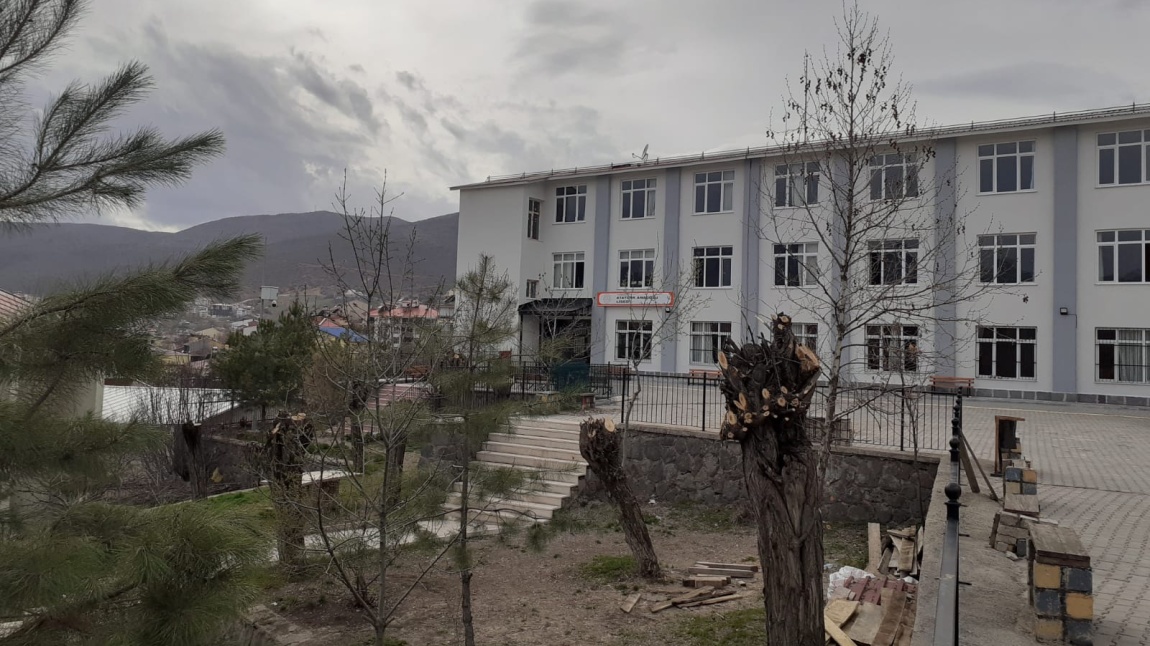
(768, 388)
(463, 559)
(599, 444)
(284, 455)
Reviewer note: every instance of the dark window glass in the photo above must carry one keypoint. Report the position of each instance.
(712, 272)
(1106, 264)
(986, 176)
(1106, 362)
(986, 269)
(1026, 146)
(1026, 268)
(793, 271)
(1007, 149)
(911, 268)
(1007, 174)
(894, 181)
(700, 199)
(1107, 335)
(1106, 166)
(1026, 360)
(1006, 364)
(873, 354)
(875, 268)
(726, 272)
(812, 188)
(1106, 139)
(986, 150)
(1129, 263)
(1007, 265)
(781, 191)
(714, 198)
(579, 275)
(627, 198)
(1026, 181)
(985, 359)
(1129, 164)
(780, 270)
(1028, 333)
(912, 181)
(1129, 236)
(876, 184)
(1130, 137)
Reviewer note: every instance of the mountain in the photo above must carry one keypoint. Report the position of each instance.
(42, 257)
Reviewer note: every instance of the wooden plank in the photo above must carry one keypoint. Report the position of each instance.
(892, 617)
(713, 600)
(838, 611)
(906, 554)
(864, 626)
(700, 581)
(837, 634)
(884, 564)
(729, 566)
(917, 552)
(701, 593)
(714, 571)
(906, 532)
(973, 458)
(874, 547)
(661, 606)
(971, 479)
(629, 604)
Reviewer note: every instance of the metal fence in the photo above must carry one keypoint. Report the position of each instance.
(947, 608)
(902, 417)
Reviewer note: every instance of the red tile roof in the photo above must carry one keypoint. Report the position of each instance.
(10, 304)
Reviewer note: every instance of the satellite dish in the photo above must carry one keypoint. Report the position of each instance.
(643, 157)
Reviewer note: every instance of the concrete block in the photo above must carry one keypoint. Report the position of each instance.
(1045, 396)
(1048, 630)
(1008, 519)
(1003, 546)
(1029, 475)
(1013, 474)
(1079, 632)
(1047, 576)
(1014, 488)
(1077, 579)
(1022, 547)
(1047, 603)
(1016, 533)
(1028, 489)
(1079, 606)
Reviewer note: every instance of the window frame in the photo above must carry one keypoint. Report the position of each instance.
(998, 245)
(887, 332)
(725, 267)
(726, 186)
(579, 195)
(1115, 152)
(534, 217)
(996, 338)
(709, 340)
(806, 264)
(1142, 344)
(806, 175)
(905, 161)
(886, 249)
(578, 260)
(1115, 244)
(629, 191)
(647, 260)
(807, 332)
(531, 290)
(625, 339)
(994, 155)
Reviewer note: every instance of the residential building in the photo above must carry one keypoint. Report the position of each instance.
(1052, 207)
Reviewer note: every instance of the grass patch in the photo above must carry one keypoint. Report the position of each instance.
(255, 503)
(595, 517)
(707, 518)
(845, 544)
(735, 628)
(608, 569)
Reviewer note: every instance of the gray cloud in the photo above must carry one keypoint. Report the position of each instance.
(409, 80)
(1031, 81)
(565, 38)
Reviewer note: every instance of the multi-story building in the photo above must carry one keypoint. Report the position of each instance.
(1062, 200)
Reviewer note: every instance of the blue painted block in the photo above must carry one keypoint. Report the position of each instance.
(1013, 474)
(1079, 632)
(1078, 580)
(1048, 603)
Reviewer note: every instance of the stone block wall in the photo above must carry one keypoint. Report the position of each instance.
(863, 485)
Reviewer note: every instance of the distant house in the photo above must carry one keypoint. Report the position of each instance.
(222, 310)
(405, 322)
(343, 334)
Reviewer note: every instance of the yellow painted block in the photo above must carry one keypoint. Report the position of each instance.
(1014, 488)
(1079, 606)
(1030, 476)
(1047, 576)
(1048, 629)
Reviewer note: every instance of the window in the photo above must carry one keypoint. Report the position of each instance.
(893, 176)
(893, 348)
(796, 265)
(807, 334)
(713, 266)
(570, 203)
(1123, 355)
(707, 339)
(893, 262)
(638, 199)
(532, 289)
(637, 268)
(1006, 168)
(533, 208)
(1007, 352)
(633, 340)
(1123, 157)
(1007, 258)
(796, 184)
(1123, 256)
(715, 192)
(568, 270)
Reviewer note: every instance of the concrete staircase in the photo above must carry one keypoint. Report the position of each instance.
(547, 448)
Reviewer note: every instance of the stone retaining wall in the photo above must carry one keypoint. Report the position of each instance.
(863, 485)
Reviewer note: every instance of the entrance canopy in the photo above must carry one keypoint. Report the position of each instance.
(564, 307)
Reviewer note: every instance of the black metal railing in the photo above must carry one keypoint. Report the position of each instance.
(902, 417)
(946, 612)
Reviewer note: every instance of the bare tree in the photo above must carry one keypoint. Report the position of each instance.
(863, 225)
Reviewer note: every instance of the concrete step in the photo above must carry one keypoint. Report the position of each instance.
(549, 465)
(535, 451)
(569, 477)
(548, 422)
(447, 526)
(491, 518)
(539, 431)
(543, 492)
(535, 440)
(528, 510)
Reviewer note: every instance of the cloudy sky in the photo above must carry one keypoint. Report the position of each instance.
(442, 92)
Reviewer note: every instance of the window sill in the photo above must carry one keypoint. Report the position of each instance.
(714, 212)
(710, 288)
(987, 378)
(1117, 185)
(634, 219)
(567, 289)
(1026, 284)
(795, 207)
(646, 288)
(794, 286)
(583, 221)
(1029, 190)
(1115, 283)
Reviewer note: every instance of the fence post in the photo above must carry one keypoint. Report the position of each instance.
(623, 408)
(902, 421)
(947, 610)
(703, 427)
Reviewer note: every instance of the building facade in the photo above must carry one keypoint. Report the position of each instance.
(1058, 205)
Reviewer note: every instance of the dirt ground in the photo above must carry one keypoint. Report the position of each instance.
(524, 597)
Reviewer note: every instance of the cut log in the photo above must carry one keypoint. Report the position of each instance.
(629, 604)
(714, 571)
(753, 567)
(706, 581)
(863, 627)
(874, 547)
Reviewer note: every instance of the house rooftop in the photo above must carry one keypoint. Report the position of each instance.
(162, 405)
(10, 304)
(957, 130)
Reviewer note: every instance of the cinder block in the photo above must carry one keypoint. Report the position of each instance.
(1079, 632)
(1003, 546)
(1012, 474)
(1007, 518)
(1047, 576)
(1047, 603)
(1014, 487)
(1077, 579)
(1029, 475)
(1029, 489)
(1048, 629)
(1013, 532)
(1079, 606)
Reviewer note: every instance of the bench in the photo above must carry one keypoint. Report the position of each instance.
(700, 372)
(957, 383)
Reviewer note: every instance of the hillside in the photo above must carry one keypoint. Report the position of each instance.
(46, 256)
